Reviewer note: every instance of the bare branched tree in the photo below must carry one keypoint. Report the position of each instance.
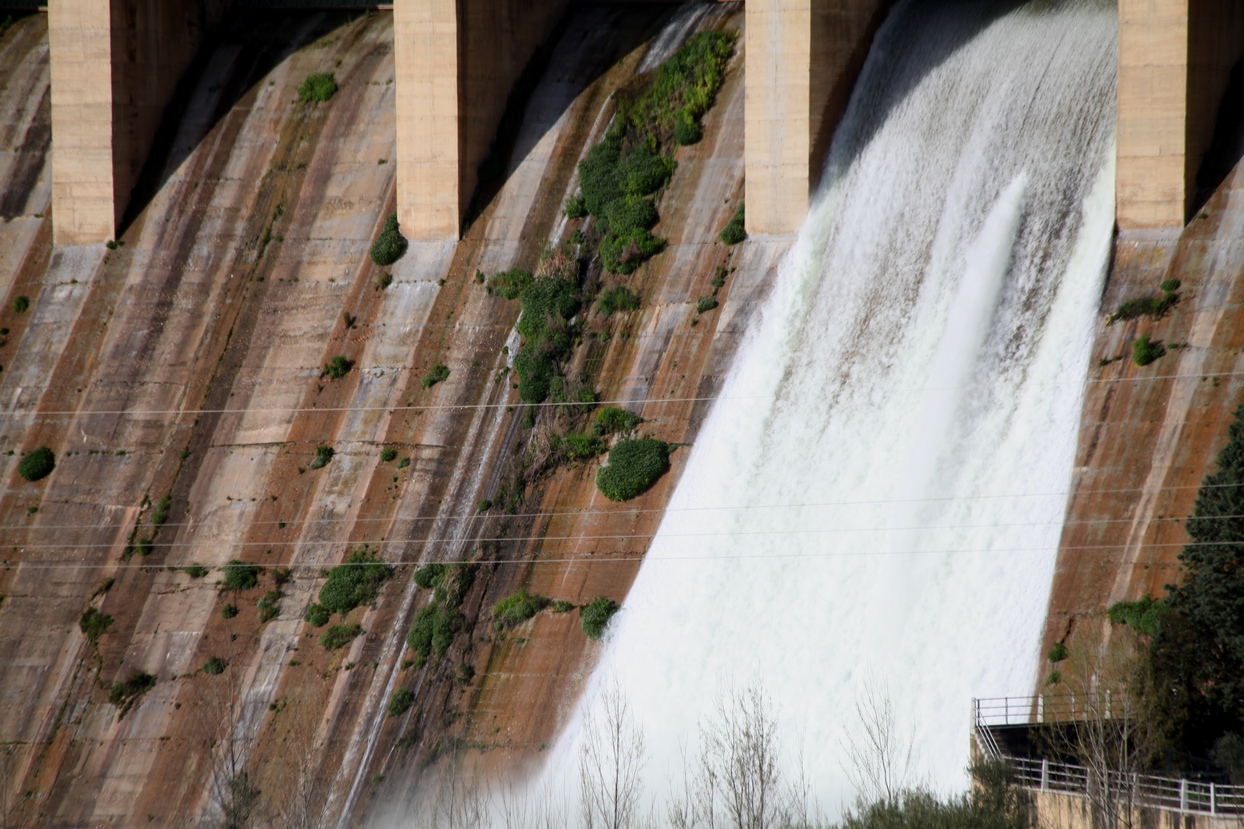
(218, 713)
(1112, 732)
(611, 758)
(879, 759)
(460, 803)
(300, 796)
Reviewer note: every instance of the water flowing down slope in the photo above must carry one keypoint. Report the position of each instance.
(877, 495)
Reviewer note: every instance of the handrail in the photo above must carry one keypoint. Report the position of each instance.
(1182, 795)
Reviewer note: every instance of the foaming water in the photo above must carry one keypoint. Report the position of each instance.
(915, 383)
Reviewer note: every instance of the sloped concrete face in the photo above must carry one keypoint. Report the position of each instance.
(803, 57)
(456, 62)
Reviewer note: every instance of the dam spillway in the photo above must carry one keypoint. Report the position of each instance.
(876, 498)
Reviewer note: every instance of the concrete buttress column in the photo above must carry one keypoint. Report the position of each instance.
(1175, 58)
(456, 62)
(115, 65)
(802, 59)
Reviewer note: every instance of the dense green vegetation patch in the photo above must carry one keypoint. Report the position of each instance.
(125, 694)
(269, 606)
(634, 465)
(579, 447)
(1148, 306)
(323, 456)
(733, 232)
(338, 367)
(613, 420)
(440, 621)
(390, 245)
(617, 298)
(517, 608)
(317, 615)
(159, 515)
(20, 304)
(94, 624)
(317, 87)
(548, 304)
(36, 465)
(1144, 614)
(338, 636)
(214, 666)
(619, 176)
(400, 702)
(1145, 350)
(509, 284)
(596, 614)
(240, 576)
(356, 582)
(436, 374)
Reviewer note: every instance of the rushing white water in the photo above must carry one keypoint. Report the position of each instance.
(877, 495)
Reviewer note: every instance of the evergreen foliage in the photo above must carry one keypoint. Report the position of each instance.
(1144, 615)
(596, 615)
(241, 576)
(634, 466)
(390, 245)
(323, 456)
(337, 367)
(436, 374)
(356, 582)
(613, 420)
(338, 636)
(37, 465)
(509, 284)
(617, 298)
(1198, 649)
(400, 702)
(1145, 351)
(94, 624)
(548, 304)
(125, 694)
(317, 615)
(733, 232)
(440, 621)
(517, 608)
(317, 87)
(214, 666)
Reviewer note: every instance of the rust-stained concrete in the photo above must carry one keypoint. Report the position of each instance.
(1149, 435)
(187, 362)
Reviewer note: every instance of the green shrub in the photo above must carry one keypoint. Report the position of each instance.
(125, 694)
(241, 576)
(617, 298)
(318, 87)
(576, 207)
(323, 456)
(356, 582)
(21, 303)
(719, 278)
(338, 636)
(390, 245)
(626, 251)
(268, 606)
(434, 375)
(535, 370)
(337, 367)
(561, 606)
(400, 702)
(705, 304)
(387, 454)
(517, 608)
(94, 624)
(509, 284)
(196, 571)
(1053, 678)
(634, 466)
(733, 232)
(581, 447)
(429, 575)
(37, 465)
(1057, 653)
(1145, 351)
(687, 130)
(548, 303)
(1144, 615)
(160, 514)
(596, 616)
(229, 611)
(214, 666)
(612, 420)
(631, 213)
(317, 615)
(433, 632)
(145, 546)
(484, 505)
(403, 463)
(1169, 286)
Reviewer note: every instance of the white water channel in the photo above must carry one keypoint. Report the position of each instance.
(878, 494)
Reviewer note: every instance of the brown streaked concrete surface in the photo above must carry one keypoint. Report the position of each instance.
(805, 56)
(1149, 435)
(187, 362)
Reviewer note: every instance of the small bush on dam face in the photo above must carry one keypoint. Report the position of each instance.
(400, 702)
(733, 232)
(338, 636)
(356, 582)
(596, 616)
(390, 245)
(1145, 351)
(439, 622)
(240, 576)
(37, 465)
(517, 608)
(94, 624)
(317, 88)
(634, 466)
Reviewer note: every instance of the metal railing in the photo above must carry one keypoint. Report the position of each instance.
(1169, 793)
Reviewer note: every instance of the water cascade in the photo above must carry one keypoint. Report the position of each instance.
(876, 498)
